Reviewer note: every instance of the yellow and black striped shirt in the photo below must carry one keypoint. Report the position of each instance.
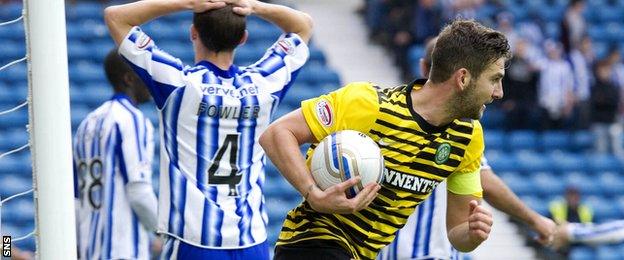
(418, 156)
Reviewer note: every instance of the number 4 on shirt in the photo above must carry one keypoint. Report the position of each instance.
(234, 176)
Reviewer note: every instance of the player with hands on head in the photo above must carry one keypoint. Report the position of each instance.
(212, 113)
(428, 131)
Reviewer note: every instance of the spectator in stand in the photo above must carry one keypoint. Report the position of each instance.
(427, 21)
(555, 88)
(506, 26)
(617, 73)
(465, 9)
(570, 210)
(581, 59)
(573, 26)
(520, 90)
(605, 98)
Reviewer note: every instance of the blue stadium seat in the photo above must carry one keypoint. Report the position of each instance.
(415, 53)
(520, 185)
(11, 50)
(501, 162)
(16, 74)
(78, 51)
(179, 50)
(522, 140)
(14, 119)
(555, 140)
(84, 10)
(598, 33)
(248, 54)
(607, 252)
(13, 31)
(610, 14)
(547, 184)
(86, 72)
(603, 162)
(316, 55)
(583, 182)
(583, 140)
(494, 139)
(582, 253)
(19, 211)
(602, 208)
(493, 118)
(11, 10)
(262, 33)
(615, 32)
(78, 113)
(611, 183)
(535, 203)
(279, 188)
(278, 207)
(530, 162)
(565, 162)
(12, 183)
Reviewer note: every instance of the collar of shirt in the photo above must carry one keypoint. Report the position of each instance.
(230, 73)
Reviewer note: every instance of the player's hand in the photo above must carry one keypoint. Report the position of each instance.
(479, 222)
(561, 237)
(546, 229)
(200, 6)
(334, 198)
(242, 7)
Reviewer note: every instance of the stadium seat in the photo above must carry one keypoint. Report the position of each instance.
(614, 31)
(316, 55)
(603, 162)
(501, 162)
(547, 184)
(13, 31)
(11, 10)
(582, 253)
(78, 113)
(20, 211)
(611, 183)
(555, 140)
(279, 188)
(522, 140)
(530, 162)
(11, 50)
(493, 118)
(582, 141)
(12, 183)
(15, 74)
(565, 162)
(602, 208)
(520, 185)
(608, 252)
(494, 139)
(584, 183)
(535, 203)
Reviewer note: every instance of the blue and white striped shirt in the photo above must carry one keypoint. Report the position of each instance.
(113, 146)
(212, 167)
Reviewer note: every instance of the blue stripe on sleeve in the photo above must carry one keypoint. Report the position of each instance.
(137, 128)
(160, 91)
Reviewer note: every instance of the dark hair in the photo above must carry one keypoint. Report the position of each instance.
(429, 50)
(466, 44)
(220, 29)
(116, 68)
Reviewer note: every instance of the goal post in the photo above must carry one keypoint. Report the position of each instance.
(50, 128)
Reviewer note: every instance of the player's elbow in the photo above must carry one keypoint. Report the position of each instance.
(110, 14)
(267, 138)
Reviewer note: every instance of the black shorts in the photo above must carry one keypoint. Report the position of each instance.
(312, 250)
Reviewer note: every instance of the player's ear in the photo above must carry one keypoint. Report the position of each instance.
(193, 33)
(244, 38)
(462, 78)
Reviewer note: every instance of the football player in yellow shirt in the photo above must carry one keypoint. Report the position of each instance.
(428, 131)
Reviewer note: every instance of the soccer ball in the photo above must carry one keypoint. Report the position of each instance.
(344, 155)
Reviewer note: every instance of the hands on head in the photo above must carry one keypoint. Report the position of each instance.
(334, 199)
(241, 7)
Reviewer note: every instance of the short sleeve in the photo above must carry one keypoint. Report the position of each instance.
(161, 72)
(466, 180)
(281, 63)
(353, 107)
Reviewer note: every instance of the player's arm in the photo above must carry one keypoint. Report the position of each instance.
(135, 159)
(468, 223)
(498, 194)
(121, 18)
(288, 19)
(281, 143)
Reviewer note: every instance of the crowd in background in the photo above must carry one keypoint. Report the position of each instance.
(555, 81)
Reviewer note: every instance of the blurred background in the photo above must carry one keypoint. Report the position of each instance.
(556, 137)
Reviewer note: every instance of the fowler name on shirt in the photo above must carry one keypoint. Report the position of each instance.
(229, 112)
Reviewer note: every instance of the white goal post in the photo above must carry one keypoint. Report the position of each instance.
(50, 128)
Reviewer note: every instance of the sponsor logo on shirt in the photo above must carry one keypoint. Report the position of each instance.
(286, 46)
(142, 41)
(324, 113)
(409, 182)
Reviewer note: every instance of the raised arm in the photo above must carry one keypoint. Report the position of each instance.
(288, 19)
(498, 194)
(121, 18)
(281, 143)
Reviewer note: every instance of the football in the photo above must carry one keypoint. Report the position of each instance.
(344, 155)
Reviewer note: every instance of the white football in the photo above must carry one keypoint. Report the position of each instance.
(344, 155)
